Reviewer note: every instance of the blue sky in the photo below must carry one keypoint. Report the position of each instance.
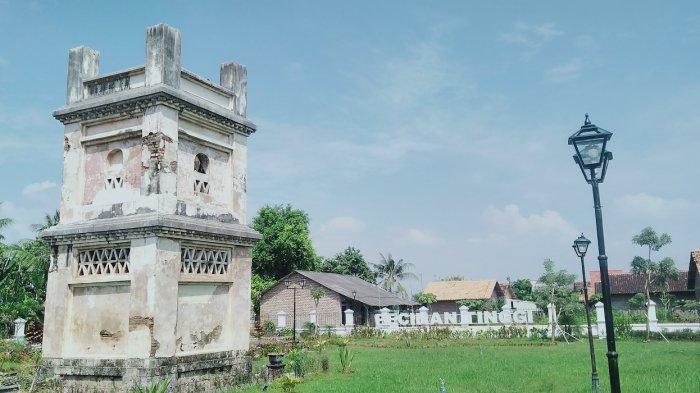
(434, 132)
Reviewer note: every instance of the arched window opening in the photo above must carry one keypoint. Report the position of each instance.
(115, 164)
(201, 163)
(115, 160)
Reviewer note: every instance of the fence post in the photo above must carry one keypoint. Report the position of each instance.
(384, 317)
(312, 316)
(552, 315)
(464, 315)
(281, 319)
(20, 324)
(651, 315)
(349, 318)
(423, 315)
(600, 319)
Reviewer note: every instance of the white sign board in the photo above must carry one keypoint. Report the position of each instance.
(505, 317)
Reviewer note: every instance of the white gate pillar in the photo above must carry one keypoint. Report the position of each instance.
(312, 316)
(464, 319)
(600, 319)
(20, 324)
(349, 318)
(651, 315)
(552, 315)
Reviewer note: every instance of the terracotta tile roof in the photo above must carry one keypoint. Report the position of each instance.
(462, 290)
(693, 268)
(628, 284)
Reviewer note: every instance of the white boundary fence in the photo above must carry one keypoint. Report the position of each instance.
(393, 321)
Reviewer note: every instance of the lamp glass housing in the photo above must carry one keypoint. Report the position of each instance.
(590, 143)
(302, 282)
(581, 245)
(287, 283)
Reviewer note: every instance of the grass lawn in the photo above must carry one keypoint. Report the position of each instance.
(484, 367)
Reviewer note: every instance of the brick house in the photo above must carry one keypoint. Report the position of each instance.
(341, 292)
(624, 286)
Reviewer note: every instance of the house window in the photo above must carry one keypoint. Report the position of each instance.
(201, 163)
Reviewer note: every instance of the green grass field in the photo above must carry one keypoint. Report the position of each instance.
(484, 367)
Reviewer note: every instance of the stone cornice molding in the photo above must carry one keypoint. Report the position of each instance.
(135, 101)
(112, 230)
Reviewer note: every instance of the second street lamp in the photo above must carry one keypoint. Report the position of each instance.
(293, 286)
(590, 143)
(580, 247)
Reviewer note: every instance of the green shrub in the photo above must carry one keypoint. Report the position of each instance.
(623, 325)
(325, 364)
(288, 383)
(154, 387)
(268, 327)
(298, 361)
(366, 332)
(308, 331)
(346, 358)
(13, 351)
(682, 335)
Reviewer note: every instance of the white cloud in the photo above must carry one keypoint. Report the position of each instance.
(565, 72)
(422, 237)
(38, 187)
(510, 219)
(343, 225)
(645, 205)
(531, 36)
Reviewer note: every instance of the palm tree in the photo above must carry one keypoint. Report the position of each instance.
(49, 221)
(391, 273)
(4, 222)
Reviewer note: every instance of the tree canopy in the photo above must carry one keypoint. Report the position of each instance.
(391, 273)
(557, 287)
(350, 261)
(285, 245)
(522, 289)
(654, 273)
(23, 273)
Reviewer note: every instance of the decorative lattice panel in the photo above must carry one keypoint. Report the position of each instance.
(114, 183)
(201, 187)
(204, 260)
(103, 261)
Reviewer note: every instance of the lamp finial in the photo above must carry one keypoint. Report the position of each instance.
(587, 121)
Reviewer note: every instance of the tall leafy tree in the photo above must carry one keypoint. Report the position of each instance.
(656, 274)
(557, 287)
(391, 273)
(4, 223)
(425, 298)
(49, 221)
(350, 261)
(285, 245)
(522, 289)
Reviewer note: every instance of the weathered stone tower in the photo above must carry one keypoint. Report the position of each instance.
(151, 265)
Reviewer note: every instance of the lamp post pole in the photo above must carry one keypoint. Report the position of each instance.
(293, 286)
(294, 317)
(605, 284)
(581, 246)
(592, 157)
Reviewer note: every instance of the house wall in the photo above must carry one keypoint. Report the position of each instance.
(620, 302)
(279, 298)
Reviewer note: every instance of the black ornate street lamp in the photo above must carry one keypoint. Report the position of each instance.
(290, 285)
(590, 143)
(580, 247)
